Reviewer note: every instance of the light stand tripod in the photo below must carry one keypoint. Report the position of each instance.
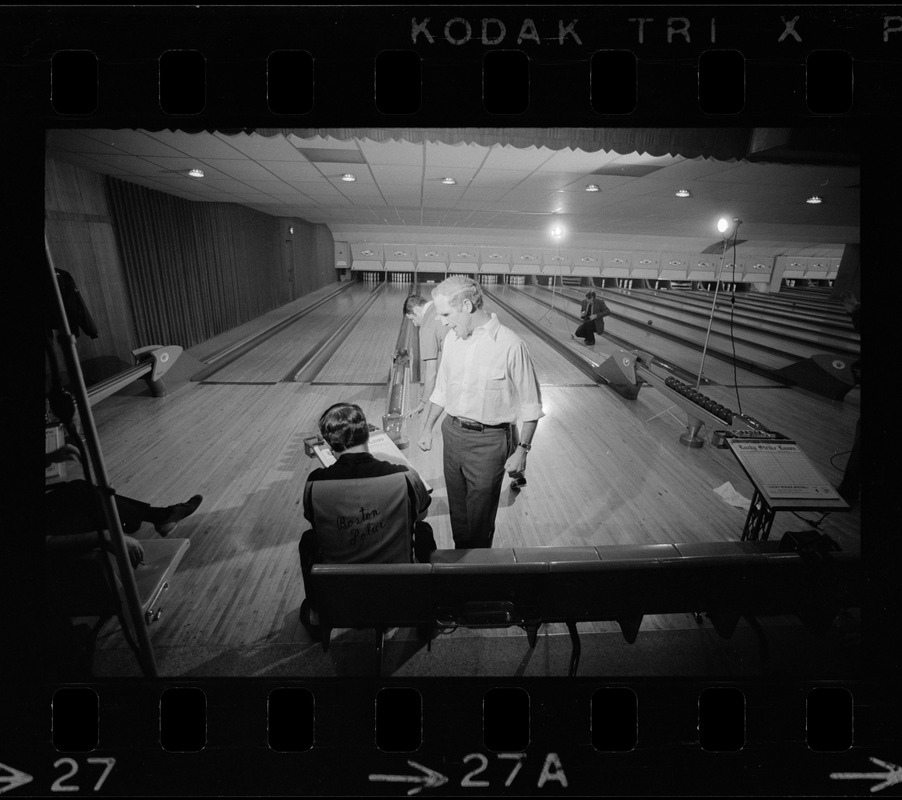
(736, 223)
(551, 307)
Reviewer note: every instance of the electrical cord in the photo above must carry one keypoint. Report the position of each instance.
(732, 334)
(810, 522)
(836, 455)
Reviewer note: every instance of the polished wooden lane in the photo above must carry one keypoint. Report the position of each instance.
(771, 349)
(366, 354)
(271, 360)
(793, 333)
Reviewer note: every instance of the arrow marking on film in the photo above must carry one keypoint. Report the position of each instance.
(12, 778)
(430, 779)
(892, 775)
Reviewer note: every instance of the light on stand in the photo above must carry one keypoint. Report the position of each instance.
(727, 228)
(557, 231)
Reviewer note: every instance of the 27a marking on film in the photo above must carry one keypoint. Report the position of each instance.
(552, 770)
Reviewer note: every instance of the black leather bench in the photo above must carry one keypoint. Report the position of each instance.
(532, 586)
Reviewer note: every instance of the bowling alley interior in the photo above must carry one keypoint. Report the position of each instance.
(692, 501)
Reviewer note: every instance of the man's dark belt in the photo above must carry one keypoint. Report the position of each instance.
(473, 425)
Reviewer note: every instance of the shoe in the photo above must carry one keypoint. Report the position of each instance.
(176, 514)
(587, 343)
(314, 631)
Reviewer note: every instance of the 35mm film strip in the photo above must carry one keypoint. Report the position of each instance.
(241, 68)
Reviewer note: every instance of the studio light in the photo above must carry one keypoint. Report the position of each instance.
(558, 231)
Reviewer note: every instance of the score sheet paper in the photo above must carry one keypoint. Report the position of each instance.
(783, 471)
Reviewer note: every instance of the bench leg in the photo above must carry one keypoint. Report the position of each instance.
(380, 647)
(575, 649)
(532, 631)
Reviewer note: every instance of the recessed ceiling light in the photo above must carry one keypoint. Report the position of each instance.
(592, 187)
(196, 173)
(683, 193)
(348, 177)
(814, 200)
(449, 181)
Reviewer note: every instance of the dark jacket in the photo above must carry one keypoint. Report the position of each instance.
(597, 308)
(77, 314)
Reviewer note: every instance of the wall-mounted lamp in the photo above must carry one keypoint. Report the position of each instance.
(348, 177)
(592, 187)
(814, 200)
(196, 173)
(683, 193)
(449, 181)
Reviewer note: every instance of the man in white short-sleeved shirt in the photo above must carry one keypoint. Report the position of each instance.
(486, 383)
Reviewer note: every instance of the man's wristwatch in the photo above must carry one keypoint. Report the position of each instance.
(526, 447)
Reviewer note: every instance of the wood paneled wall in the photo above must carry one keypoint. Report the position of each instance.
(156, 269)
(308, 255)
(82, 243)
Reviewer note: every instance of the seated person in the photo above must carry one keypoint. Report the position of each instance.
(75, 522)
(362, 509)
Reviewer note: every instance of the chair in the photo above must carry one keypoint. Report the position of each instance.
(89, 585)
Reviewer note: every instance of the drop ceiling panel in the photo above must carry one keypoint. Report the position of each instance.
(335, 171)
(137, 166)
(462, 175)
(576, 161)
(261, 148)
(177, 168)
(332, 155)
(200, 145)
(79, 142)
(518, 159)
(138, 143)
(402, 154)
(461, 156)
(398, 174)
(292, 170)
(241, 169)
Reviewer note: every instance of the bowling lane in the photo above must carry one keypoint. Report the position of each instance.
(272, 359)
(533, 301)
(365, 357)
(771, 345)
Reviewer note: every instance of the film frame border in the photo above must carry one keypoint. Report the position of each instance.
(672, 762)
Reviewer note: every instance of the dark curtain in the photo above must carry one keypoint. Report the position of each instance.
(721, 143)
(194, 270)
